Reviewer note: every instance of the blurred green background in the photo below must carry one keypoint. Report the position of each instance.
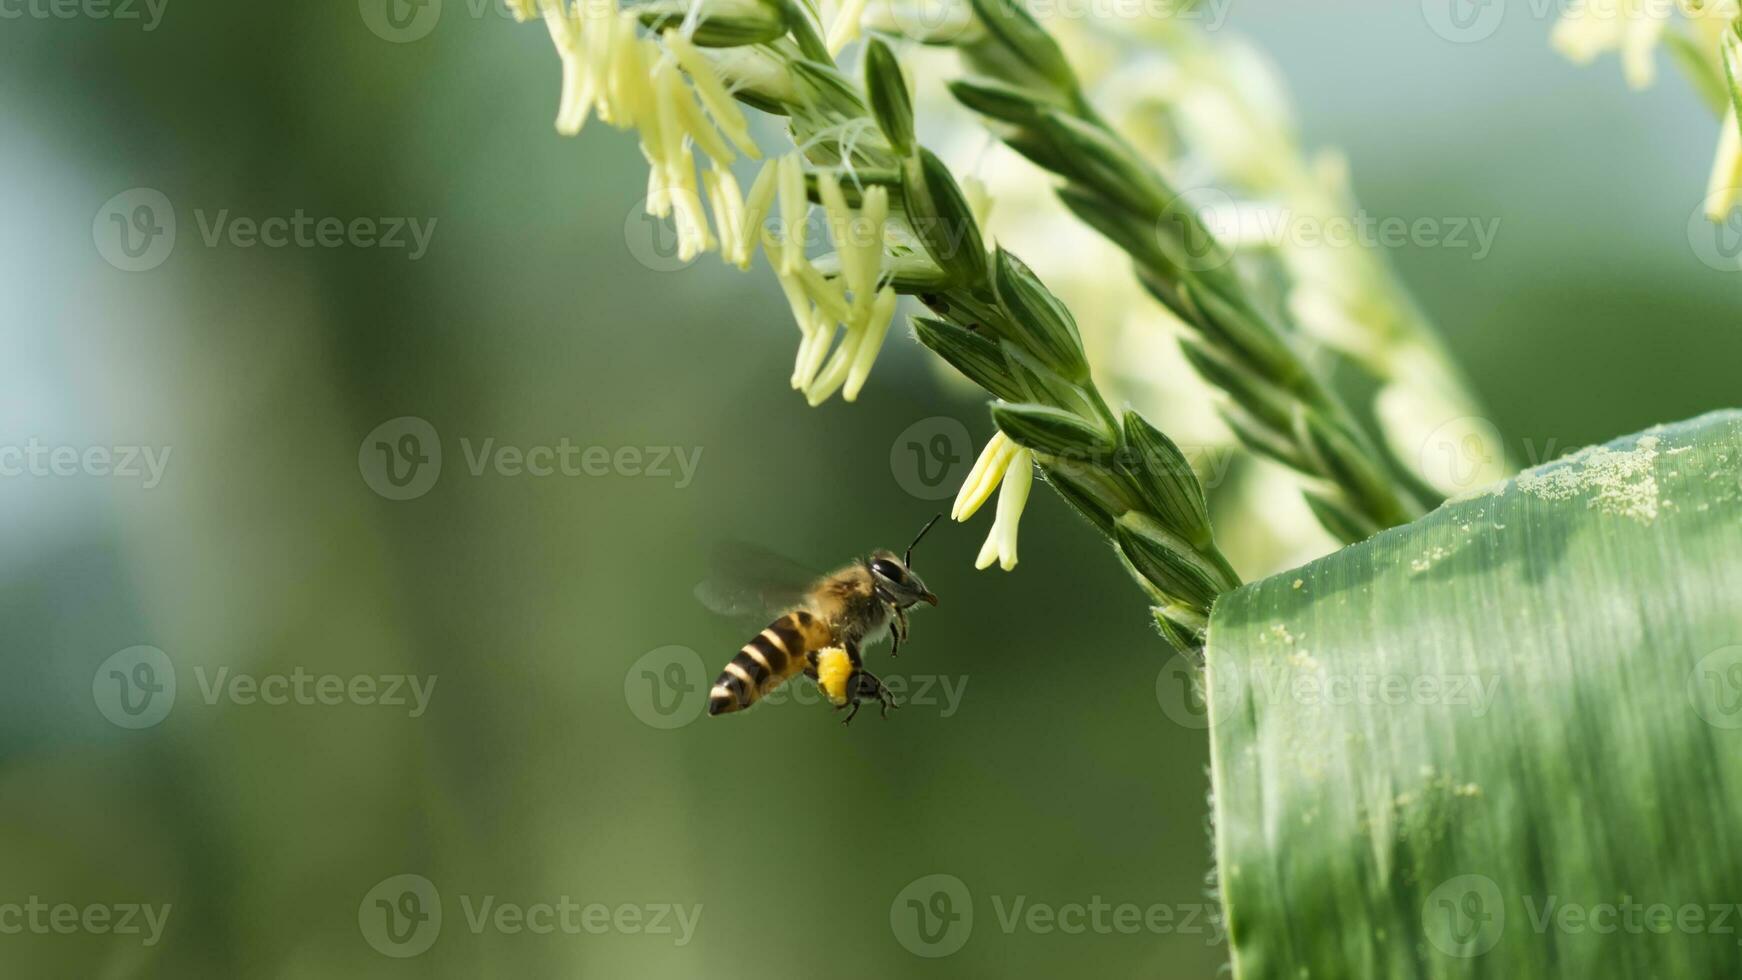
(543, 608)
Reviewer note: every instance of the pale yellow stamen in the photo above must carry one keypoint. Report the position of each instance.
(712, 92)
(834, 374)
(845, 29)
(867, 235)
(829, 294)
(794, 206)
(984, 477)
(603, 36)
(727, 203)
(882, 314)
(1000, 543)
(756, 208)
(1725, 191)
(623, 65)
(703, 132)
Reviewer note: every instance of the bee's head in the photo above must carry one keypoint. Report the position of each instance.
(894, 576)
(895, 582)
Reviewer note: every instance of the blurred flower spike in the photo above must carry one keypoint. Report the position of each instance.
(1700, 34)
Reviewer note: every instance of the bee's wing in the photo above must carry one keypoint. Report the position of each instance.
(749, 581)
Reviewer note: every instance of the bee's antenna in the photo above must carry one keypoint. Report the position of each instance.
(907, 559)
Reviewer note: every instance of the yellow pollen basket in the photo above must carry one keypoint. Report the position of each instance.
(834, 669)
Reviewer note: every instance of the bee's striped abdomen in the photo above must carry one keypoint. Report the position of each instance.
(766, 662)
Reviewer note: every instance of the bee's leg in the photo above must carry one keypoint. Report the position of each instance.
(852, 681)
(898, 630)
(864, 686)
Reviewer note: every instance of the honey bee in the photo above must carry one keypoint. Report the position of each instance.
(822, 633)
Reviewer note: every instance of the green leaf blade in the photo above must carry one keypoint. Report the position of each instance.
(1431, 745)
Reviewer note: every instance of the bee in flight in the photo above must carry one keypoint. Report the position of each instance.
(823, 632)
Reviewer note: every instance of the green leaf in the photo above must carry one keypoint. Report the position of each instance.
(1133, 234)
(980, 360)
(1465, 746)
(804, 31)
(887, 89)
(1012, 28)
(721, 24)
(1052, 431)
(1043, 385)
(1167, 480)
(1005, 103)
(1104, 163)
(1342, 521)
(823, 87)
(1166, 560)
(940, 216)
(1254, 394)
(1087, 491)
(1045, 328)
